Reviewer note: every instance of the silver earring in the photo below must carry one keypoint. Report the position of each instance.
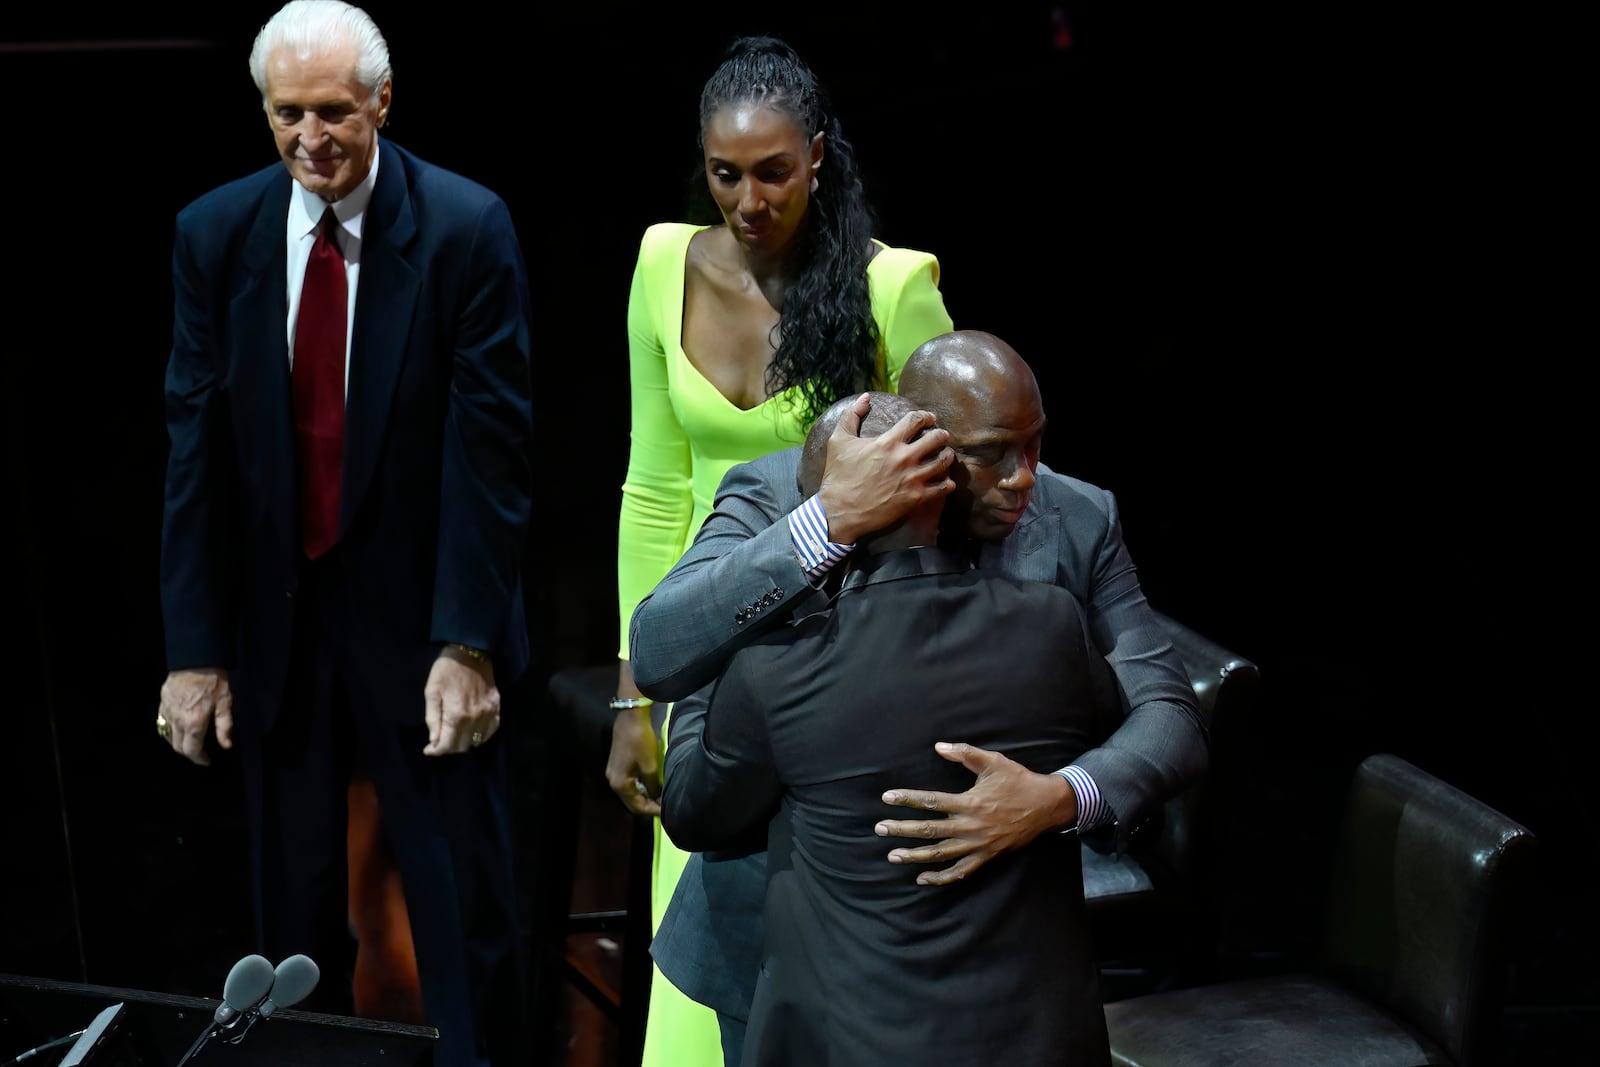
(813, 183)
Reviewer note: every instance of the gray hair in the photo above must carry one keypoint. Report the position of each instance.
(311, 27)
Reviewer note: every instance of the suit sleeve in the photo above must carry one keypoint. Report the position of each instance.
(486, 487)
(739, 576)
(1161, 747)
(197, 588)
(719, 786)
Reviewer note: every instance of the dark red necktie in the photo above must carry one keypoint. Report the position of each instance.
(317, 382)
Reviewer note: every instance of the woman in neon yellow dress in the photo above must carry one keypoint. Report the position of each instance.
(739, 334)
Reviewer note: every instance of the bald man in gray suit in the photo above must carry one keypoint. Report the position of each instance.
(765, 554)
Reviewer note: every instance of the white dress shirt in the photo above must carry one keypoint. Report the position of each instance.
(305, 215)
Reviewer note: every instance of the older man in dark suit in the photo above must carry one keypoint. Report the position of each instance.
(347, 501)
(759, 559)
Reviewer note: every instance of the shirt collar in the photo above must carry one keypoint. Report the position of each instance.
(874, 567)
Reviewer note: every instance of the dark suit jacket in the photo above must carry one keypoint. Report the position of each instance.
(436, 495)
(861, 965)
(741, 576)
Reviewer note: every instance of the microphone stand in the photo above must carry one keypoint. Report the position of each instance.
(86, 1037)
(205, 1035)
(212, 1031)
(47, 1046)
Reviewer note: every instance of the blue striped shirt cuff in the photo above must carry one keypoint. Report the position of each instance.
(1092, 810)
(808, 533)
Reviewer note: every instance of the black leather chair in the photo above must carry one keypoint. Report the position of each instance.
(1412, 963)
(1151, 907)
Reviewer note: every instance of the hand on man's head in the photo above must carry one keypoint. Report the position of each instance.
(868, 483)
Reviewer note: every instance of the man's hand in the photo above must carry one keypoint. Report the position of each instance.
(634, 767)
(460, 703)
(1006, 808)
(869, 483)
(192, 702)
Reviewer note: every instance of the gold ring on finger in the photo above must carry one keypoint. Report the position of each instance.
(163, 727)
(477, 739)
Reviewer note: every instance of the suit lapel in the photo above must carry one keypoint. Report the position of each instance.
(258, 319)
(385, 299)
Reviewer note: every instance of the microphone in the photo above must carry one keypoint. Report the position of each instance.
(293, 982)
(248, 983)
(56, 1042)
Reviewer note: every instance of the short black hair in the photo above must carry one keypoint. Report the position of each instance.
(884, 410)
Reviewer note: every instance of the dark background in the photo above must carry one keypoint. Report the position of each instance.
(1277, 271)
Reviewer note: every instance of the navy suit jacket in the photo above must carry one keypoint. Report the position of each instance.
(437, 484)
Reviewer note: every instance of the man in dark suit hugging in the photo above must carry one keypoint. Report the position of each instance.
(863, 960)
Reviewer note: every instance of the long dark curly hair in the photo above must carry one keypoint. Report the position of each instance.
(827, 340)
